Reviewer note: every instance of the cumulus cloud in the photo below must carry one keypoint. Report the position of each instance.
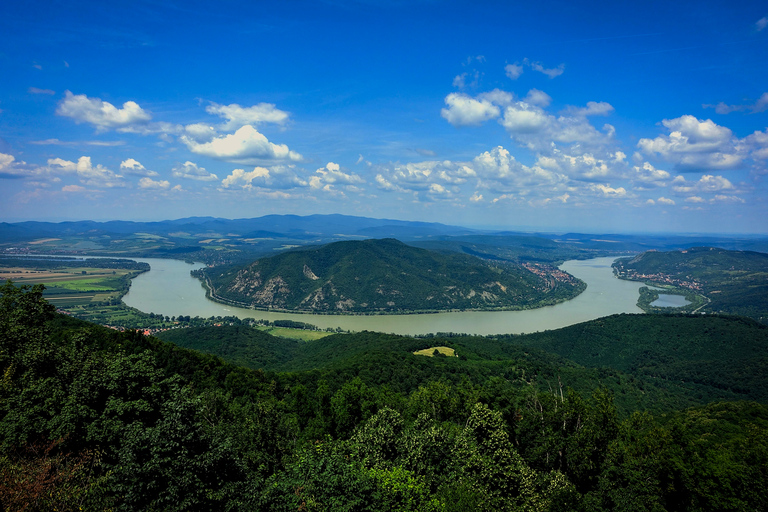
(134, 168)
(12, 169)
(664, 200)
(73, 188)
(245, 146)
(706, 184)
(694, 145)
(279, 177)
(462, 110)
(149, 183)
(428, 180)
(757, 144)
(648, 175)
(331, 176)
(532, 126)
(88, 174)
(238, 116)
(499, 171)
(103, 115)
(607, 190)
(190, 170)
(760, 105)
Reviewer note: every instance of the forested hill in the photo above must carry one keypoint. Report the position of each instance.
(386, 276)
(734, 282)
(95, 419)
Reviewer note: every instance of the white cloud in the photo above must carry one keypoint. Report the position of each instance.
(757, 144)
(245, 146)
(463, 110)
(190, 170)
(720, 198)
(499, 171)
(761, 23)
(237, 116)
(695, 199)
(149, 183)
(331, 176)
(10, 168)
(647, 174)
(607, 190)
(279, 177)
(98, 176)
(73, 188)
(134, 168)
(664, 200)
(101, 114)
(694, 145)
(706, 184)
(513, 71)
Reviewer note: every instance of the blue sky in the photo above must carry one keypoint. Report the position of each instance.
(588, 116)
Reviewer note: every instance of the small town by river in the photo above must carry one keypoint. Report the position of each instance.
(169, 289)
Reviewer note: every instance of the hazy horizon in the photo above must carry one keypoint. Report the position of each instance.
(555, 116)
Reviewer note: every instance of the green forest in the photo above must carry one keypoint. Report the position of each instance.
(583, 418)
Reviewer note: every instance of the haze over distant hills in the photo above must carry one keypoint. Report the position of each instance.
(216, 240)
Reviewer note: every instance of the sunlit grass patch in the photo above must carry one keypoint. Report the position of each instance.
(297, 334)
(430, 352)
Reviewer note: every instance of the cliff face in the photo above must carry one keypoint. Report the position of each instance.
(376, 276)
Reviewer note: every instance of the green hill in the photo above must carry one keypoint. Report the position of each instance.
(386, 276)
(734, 282)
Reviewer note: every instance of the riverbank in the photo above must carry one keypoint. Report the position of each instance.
(169, 289)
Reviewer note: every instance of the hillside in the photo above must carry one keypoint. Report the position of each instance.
(734, 282)
(385, 276)
(96, 419)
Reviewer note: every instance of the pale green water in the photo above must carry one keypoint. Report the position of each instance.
(168, 289)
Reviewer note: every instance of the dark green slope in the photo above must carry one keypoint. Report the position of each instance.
(651, 362)
(385, 276)
(735, 282)
(715, 357)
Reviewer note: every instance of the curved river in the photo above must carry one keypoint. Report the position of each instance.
(168, 289)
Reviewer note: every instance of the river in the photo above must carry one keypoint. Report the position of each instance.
(168, 289)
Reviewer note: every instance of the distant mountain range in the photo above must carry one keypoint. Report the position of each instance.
(217, 241)
(385, 276)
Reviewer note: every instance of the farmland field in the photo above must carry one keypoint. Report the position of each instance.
(70, 283)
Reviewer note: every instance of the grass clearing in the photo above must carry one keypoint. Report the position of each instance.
(296, 334)
(430, 352)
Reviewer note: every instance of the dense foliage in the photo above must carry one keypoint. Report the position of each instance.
(385, 276)
(96, 419)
